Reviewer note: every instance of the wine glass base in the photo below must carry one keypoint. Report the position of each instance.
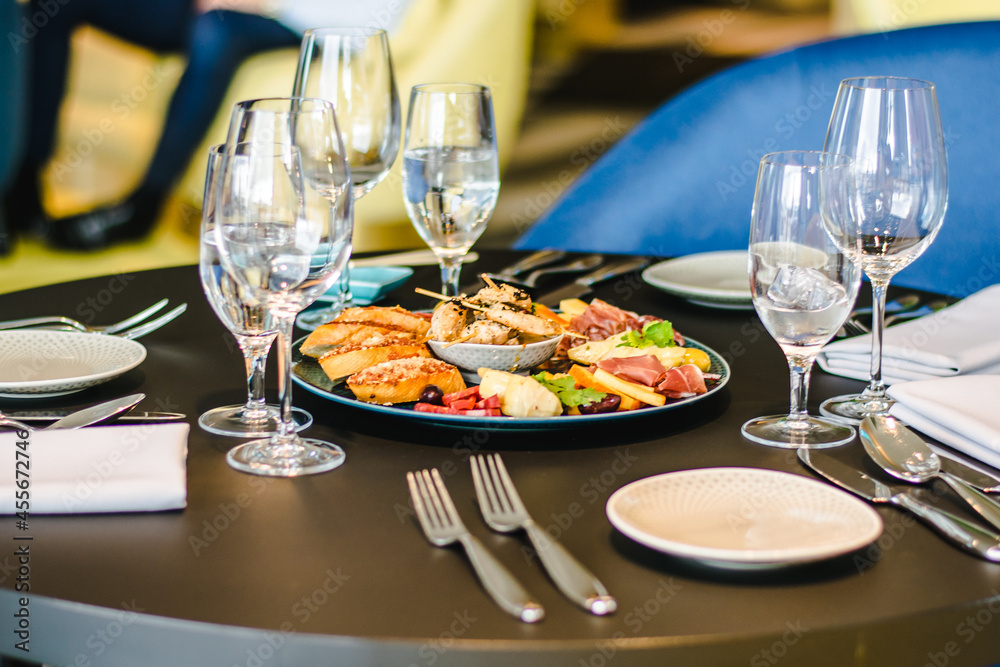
(309, 320)
(852, 408)
(231, 421)
(808, 433)
(303, 456)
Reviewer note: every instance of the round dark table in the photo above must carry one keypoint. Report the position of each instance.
(332, 569)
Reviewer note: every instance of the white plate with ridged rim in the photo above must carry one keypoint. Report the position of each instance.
(743, 518)
(713, 279)
(42, 364)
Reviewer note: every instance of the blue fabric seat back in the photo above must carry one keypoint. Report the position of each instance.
(13, 87)
(683, 180)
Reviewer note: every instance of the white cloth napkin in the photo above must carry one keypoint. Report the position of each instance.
(958, 340)
(134, 468)
(961, 412)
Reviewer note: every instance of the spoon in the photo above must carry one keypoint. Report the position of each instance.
(904, 455)
(85, 417)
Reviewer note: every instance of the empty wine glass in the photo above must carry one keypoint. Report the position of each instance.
(284, 241)
(803, 285)
(247, 320)
(892, 128)
(352, 69)
(450, 173)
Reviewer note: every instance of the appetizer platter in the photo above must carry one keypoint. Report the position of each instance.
(496, 358)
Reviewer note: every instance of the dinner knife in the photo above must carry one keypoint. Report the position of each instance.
(96, 413)
(978, 478)
(584, 284)
(42, 416)
(971, 537)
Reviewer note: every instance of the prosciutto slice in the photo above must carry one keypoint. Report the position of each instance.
(645, 369)
(602, 320)
(682, 382)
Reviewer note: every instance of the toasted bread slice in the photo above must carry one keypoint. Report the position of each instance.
(403, 380)
(349, 359)
(320, 341)
(395, 316)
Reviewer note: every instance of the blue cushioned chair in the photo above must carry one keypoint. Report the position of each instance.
(683, 180)
(13, 90)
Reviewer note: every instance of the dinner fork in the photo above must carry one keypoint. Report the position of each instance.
(153, 325)
(851, 328)
(441, 524)
(504, 512)
(69, 323)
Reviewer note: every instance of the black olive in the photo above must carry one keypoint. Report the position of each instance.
(609, 403)
(432, 394)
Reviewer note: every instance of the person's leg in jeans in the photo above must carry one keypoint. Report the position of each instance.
(218, 42)
(161, 25)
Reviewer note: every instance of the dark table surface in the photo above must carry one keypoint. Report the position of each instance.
(332, 569)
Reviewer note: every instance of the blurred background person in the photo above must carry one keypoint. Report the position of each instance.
(216, 36)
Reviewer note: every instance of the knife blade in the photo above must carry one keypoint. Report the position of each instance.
(583, 284)
(980, 479)
(96, 413)
(979, 541)
(43, 416)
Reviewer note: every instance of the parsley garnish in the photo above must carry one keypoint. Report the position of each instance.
(565, 388)
(659, 334)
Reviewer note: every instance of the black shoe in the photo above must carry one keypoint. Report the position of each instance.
(21, 209)
(6, 237)
(129, 220)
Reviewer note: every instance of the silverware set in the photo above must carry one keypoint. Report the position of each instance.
(903, 455)
(132, 327)
(118, 409)
(503, 511)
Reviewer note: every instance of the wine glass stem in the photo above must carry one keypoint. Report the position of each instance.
(451, 268)
(286, 427)
(876, 388)
(799, 369)
(254, 349)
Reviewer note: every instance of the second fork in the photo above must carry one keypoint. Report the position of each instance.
(504, 511)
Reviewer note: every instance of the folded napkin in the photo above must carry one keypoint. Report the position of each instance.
(958, 340)
(961, 412)
(135, 468)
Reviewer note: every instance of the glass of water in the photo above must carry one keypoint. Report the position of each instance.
(802, 283)
(450, 173)
(248, 321)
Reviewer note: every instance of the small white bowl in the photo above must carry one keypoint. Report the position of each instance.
(473, 356)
